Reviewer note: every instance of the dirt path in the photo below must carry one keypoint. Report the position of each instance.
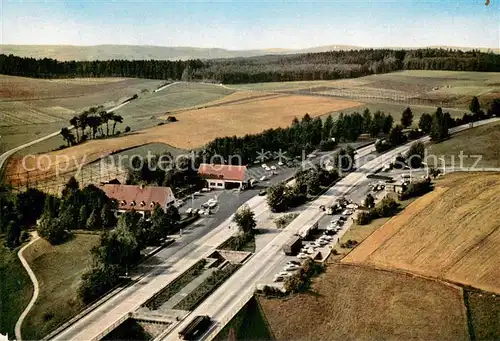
(36, 289)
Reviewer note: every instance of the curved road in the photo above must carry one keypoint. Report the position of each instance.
(36, 288)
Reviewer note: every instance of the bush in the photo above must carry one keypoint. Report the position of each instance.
(416, 189)
(284, 220)
(161, 123)
(97, 281)
(171, 119)
(349, 244)
(127, 129)
(364, 218)
(327, 145)
(301, 280)
(386, 208)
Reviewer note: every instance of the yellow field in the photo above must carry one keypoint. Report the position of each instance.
(452, 233)
(357, 303)
(194, 129)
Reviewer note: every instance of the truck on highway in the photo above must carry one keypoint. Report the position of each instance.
(195, 328)
(292, 246)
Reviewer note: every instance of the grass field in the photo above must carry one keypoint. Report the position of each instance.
(195, 128)
(451, 233)
(32, 108)
(451, 89)
(483, 141)
(356, 303)
(58, 270)
(484, 309)
(15, 289)
(249, 324)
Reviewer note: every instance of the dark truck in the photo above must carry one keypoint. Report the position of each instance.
(292, 246)
(195, 328)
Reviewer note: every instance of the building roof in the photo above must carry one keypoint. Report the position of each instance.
(139, 198)
(223, 172)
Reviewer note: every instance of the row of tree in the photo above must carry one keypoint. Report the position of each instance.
(96, 119)
(270, 68)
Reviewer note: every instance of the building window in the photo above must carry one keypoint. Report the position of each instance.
(219, 184)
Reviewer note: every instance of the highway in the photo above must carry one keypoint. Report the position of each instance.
(230, 297)
(234, 293)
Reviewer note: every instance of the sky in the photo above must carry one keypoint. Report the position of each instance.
(258, 24)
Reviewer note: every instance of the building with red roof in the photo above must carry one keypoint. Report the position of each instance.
(139, 198)
(224, 176)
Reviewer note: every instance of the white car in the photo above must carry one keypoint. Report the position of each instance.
(273, 167)
(201, 211)
(267, 169)
(302, 256)
(326, 237)
(291, 267)
(322, 242)
(347, 212)
(179, 202)
(263, 165)
(211, 203)
(310, 251)
(194, 210)
(264, 178)
(197, 193)
(280, 163)
(284, 274)
(189, 210)
(206, 189)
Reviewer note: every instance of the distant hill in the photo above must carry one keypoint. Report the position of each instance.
(136, 52)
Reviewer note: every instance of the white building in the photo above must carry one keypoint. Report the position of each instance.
(224, 176)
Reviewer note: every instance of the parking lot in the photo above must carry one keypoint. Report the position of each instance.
(336, 225)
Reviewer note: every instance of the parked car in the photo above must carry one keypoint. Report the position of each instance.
(178, 203)
(263, 178)
(285, 274)
(278, 278)
(273, 167)
(197, 193)
(194, 211)
(201, 211)
(263, 165)
(280, 163)
(212, 204)
(262, 192)
(189, 210)
(206, 189)
(293, 262)
(267, 169)
(302, 256)
(291, 267)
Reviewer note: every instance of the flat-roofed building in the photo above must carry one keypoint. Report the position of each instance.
(224, 176)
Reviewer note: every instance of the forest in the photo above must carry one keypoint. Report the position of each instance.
(269, 68)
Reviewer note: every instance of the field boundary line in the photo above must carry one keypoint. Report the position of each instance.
(36, 287)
